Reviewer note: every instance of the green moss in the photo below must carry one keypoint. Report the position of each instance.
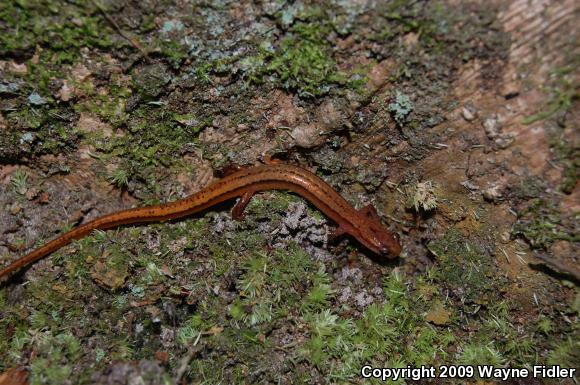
(111, 270)
(301, 60)
(320, 294)
(191, 330)
(260, 207)
(268, 289)
(562, 93)
(119, 178)
(63, 29)
(429, 21)
(267, 278)
(120, 348)
(56, 355)
(109, 105)
(153, 140)
(202, 72)
(478, 354)
(464, 267)
(541, 225)
(568, 156)
(544, 325)
(19, 180)
(174, 51)
(37, 124)
(385, 332)
(37, 131)
(566, 353)
(9, 357)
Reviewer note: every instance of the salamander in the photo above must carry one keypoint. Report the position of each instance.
(364, 224)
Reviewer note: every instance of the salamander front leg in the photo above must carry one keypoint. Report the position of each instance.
(269, 159)
(336, 233)
(229, 170)
(238, 210)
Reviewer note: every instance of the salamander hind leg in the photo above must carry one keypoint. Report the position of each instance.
(370, 212)
(238, 210)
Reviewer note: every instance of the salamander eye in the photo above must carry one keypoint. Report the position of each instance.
(397, 237)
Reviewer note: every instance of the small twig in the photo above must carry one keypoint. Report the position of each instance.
(507, 257)
(403, 222)
(184, 363)
(285, 348)
(132, 41)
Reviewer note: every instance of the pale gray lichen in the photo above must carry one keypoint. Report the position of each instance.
(400, 107)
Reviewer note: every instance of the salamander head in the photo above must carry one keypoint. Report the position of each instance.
(376, 237)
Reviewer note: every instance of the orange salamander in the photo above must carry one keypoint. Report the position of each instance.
(364, 224)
